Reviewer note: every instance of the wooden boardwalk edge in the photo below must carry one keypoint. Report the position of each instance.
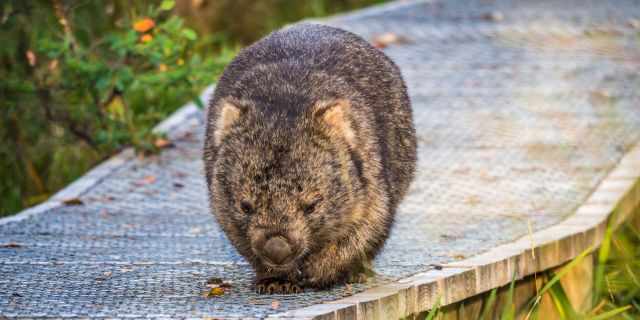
(613, 202)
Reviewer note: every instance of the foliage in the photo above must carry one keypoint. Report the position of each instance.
(616, 292)
(83, 79)
(244, 21)
(621, 264)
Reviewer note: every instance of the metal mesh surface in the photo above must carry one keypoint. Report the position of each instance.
(521, 109)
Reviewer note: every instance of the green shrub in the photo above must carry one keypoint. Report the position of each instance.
(82, 80)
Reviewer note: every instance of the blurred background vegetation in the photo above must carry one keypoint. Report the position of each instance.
(82, 79)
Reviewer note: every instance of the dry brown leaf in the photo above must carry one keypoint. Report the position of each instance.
(162, 143)
(214, 280)
(12, 245)
(386, 39)
(73, 202)
(104, 276)
(496, 16)
(146, 180)
(457, 256)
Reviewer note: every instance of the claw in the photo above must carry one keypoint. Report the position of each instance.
(273, 288)
(296, 289)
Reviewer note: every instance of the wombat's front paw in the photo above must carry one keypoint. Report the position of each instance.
(277, 286)
(361, 273)
(359, 277)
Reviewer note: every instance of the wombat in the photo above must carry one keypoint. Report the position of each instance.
(309, 148)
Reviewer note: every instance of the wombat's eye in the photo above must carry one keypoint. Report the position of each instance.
(246, 207)
(310, 207)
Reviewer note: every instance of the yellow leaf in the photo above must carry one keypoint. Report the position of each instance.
(116, 108)
(214, 292)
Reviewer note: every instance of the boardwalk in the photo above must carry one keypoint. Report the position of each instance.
(521, 109)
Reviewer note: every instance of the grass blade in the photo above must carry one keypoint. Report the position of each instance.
(489, 304)
(564, 271)
(434, 310)
(603, 256)
(562, 303)
(509, 311)
(610, 313)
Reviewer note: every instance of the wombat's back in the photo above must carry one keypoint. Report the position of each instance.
(291, 69)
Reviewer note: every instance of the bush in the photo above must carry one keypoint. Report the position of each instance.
(84, 79)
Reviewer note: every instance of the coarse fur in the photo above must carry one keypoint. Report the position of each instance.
(309, 138)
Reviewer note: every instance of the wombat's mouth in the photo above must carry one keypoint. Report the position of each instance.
(280, 267)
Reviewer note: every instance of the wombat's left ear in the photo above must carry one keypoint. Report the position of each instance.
(228, 113)
(334, 117)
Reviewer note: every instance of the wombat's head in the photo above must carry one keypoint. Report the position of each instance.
(284, 184)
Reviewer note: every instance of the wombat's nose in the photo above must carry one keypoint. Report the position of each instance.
(277, 249)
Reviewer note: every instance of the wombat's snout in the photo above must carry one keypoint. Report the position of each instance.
(277, 250)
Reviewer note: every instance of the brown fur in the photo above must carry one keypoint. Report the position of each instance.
(309, 137)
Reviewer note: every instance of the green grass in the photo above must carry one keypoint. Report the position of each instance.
(616, 283)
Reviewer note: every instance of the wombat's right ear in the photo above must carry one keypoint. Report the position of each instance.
(334, 115)
(228, 113)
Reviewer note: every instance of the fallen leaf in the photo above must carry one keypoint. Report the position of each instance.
(104, 276)
(213, 292)
(457, 256)
(215, 280)
(494, 16)
(384, 40)
(73, 202)
(12, 245)
(275, 304)
(146, 180)
(162, 143)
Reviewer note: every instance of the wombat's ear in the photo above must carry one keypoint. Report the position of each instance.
(229, 112)
(334, 116)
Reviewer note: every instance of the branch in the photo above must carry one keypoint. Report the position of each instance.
(65, 121)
